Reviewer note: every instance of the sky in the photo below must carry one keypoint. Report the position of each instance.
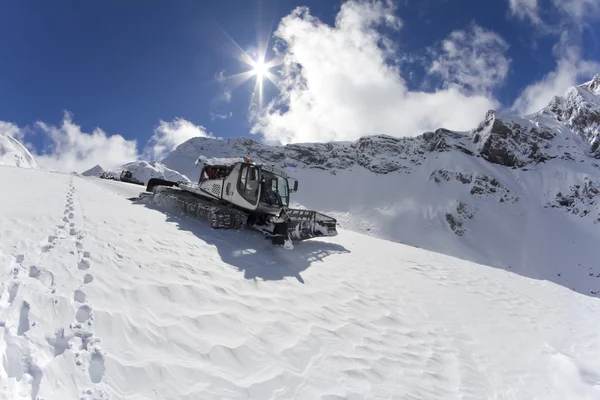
(86, 83)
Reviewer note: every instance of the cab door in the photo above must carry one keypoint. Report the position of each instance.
(245, 190)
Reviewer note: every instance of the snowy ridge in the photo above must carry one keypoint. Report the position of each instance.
(101, 298)
(13, 153)
(144, 171)
(579, 109)
(141, 170)
(505, 194)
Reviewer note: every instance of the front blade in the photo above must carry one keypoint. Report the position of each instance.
(306, 224)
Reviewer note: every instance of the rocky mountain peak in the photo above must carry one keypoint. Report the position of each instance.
(594, 84)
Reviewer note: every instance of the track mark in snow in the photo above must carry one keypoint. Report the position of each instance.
(12, 361)
(36, 375)
(71, 215)
(79, 245)
(79, 296)
(65, 219)
(83, 314)
(96, 369)
(23, 319)
(86, 254)
(72, 224)
(19, 258)
(83, 264)
(88, 278)
(13, 289)
(59, 342)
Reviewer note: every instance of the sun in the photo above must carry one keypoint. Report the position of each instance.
(260, 69)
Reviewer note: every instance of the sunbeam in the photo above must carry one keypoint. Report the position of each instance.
(258, 68)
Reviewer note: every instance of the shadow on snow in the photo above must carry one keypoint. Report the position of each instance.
(249, 251)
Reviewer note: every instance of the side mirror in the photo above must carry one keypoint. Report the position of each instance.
(295, 186)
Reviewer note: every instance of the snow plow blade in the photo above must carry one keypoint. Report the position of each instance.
(307, 224)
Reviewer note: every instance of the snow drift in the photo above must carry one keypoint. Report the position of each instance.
(102, 298)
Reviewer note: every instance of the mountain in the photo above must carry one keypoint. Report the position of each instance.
(13, 153)
(102, 298)
(144, 171)
(520, 193)
(141, 170)
(95, 171)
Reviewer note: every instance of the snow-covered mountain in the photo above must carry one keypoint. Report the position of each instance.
(518, 193)
(94, 171)
(141, 170)
(102, 298)
(14, 153)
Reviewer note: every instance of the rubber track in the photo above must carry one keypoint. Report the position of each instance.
(219, 217)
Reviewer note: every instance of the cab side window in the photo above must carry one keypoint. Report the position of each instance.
(242, 180)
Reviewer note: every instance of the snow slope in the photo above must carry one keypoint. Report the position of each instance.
(13, 153)
(103, 298)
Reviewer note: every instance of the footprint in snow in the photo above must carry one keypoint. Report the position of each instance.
(96, 369)
(23, 319)
(59, 342)
(79, 245)
(83, 264)
(71, 215)
(83, 314)
(34, 272)
(13, 289)
(79, 296)
(88, 278)
(44, 276)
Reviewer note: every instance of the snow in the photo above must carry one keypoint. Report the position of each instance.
(103, 298)
(95, 171)
(219, 161)
(144, 171)
(13, 153)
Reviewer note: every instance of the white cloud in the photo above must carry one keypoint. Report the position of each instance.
(472, 59)
(337, 83)
(570, 70)
(578, 10)
(71, 149)
(168, 135)
(525, 9)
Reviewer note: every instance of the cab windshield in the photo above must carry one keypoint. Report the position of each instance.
(275, 189)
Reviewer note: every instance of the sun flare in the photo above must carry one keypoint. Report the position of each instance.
(260, 69)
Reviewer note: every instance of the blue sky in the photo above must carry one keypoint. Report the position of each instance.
(153, 72)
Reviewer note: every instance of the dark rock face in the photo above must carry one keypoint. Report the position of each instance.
(581, 198)
(511, 144)
(457, 222)
(480, 185)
